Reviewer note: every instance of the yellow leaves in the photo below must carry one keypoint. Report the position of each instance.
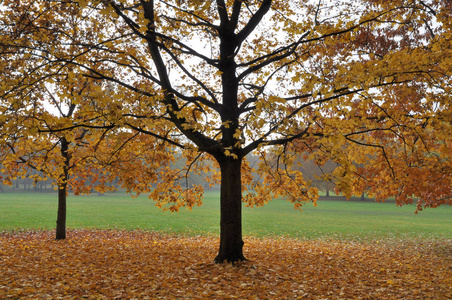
(227, 152)
(143, 30)
(238, 134)
(186, 126)
(282, 181)
(135, 264)
(83, 3)
(296, 79)
(7, 181)
(206, 5)
(108, 10)
(226, 124)
(321, 67)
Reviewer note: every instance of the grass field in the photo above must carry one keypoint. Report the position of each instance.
(329, 220)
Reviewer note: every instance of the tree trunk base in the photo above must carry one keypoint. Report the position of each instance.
(221, 259)
(230, 251)
(231, 241)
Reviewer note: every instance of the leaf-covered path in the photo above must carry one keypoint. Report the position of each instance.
(123, 264)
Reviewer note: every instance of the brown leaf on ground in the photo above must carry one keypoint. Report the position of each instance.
(133, 264)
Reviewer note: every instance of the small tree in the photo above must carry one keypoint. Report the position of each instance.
(38, 140)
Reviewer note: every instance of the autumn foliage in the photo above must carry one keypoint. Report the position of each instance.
(144, 265)
(365, 84)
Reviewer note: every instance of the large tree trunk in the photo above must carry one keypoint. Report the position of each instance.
(231, 243)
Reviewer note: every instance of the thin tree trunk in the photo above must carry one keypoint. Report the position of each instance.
(61, 219)
(231, 243)
(62, 192)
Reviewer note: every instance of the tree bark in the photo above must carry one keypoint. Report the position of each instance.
(61, 218)
(62, 192)
(231, 243)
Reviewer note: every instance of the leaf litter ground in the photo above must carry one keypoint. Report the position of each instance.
(108, 264)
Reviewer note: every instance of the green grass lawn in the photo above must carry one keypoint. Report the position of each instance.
(330, 219)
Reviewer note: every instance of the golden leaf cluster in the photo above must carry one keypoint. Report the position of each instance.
(365, 84)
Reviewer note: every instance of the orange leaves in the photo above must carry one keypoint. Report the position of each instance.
(322, 73)
(123, 264)
(228, 80)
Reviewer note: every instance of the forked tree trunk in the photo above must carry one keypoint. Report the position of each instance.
(231, 243)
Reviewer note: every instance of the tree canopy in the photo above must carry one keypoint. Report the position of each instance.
(363, 83)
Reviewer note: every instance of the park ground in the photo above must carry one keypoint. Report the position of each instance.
(338, 250)
(112, 264)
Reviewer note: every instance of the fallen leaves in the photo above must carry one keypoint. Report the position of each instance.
(135, 264)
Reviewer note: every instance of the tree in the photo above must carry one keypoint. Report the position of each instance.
(49, 125)
(36, 140)
(51, 130)
(222, 79)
